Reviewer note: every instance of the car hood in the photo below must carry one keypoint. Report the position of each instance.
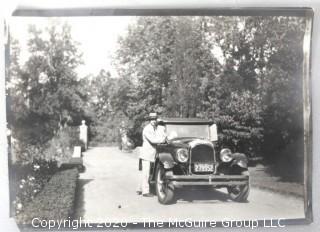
(189, 142)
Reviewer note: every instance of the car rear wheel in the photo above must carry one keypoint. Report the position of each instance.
(240, 193)
(164, 191)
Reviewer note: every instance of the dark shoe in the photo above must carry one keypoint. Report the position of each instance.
(147, 195)
(139, 192)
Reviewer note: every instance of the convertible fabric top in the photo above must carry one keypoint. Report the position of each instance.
(192, 121)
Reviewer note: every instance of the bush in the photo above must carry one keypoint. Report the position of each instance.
(33, 131)
(73, 137)
(28, 174)
(27, 180)
(289, 162)
(26, 153)
(105, 132)
(37, 163)
(60, 147)
(55, 201)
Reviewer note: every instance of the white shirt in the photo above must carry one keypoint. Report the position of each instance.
(150, 137)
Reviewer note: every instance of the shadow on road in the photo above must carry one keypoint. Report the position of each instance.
(80, 198)
(200, 195)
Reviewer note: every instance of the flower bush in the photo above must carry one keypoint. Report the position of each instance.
(37, 163)
(54, 202)
(27, 180)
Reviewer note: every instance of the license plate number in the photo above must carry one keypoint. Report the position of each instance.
(198, 167)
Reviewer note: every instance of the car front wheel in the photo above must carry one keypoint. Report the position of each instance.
(240, 193)
(164, 190)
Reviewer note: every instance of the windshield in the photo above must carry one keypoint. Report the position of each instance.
(200, 131)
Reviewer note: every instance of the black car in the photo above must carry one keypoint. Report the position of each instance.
(188, 158)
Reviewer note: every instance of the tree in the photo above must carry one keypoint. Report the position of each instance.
(48, 92)
(242, 72)
(165, 59)
(262, 55)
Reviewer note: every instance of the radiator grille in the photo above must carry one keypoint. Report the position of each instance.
(201, 154)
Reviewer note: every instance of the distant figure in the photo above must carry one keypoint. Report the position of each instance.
(121, 132)
(84, 134)
(124, 142)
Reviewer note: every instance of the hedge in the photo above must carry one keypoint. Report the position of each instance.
(55, 201)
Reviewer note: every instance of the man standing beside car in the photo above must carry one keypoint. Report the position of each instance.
(152, 134)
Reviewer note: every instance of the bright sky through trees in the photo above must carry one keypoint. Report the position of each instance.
(97, 37)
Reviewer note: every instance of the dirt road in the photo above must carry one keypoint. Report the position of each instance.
(107, 193)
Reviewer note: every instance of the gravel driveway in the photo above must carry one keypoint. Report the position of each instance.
(107, 193)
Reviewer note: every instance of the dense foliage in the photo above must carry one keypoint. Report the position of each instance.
(244, 73)
(45, 93)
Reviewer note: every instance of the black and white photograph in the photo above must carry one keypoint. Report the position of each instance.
(159, 116)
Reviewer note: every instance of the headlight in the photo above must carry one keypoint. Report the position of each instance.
(225, 155)
(182, 155)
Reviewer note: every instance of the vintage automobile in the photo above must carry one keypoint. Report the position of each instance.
(188, 158)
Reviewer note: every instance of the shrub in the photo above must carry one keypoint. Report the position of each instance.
(55, 201)
(28, 180)
(33, 131)
(73, 134)
(37, 163)
(28, 176)
(26, 153)
(60, 147)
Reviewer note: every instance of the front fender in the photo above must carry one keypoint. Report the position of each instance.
(166, 159)
(240, 160)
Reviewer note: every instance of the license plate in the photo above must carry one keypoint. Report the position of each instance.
(198, 167)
